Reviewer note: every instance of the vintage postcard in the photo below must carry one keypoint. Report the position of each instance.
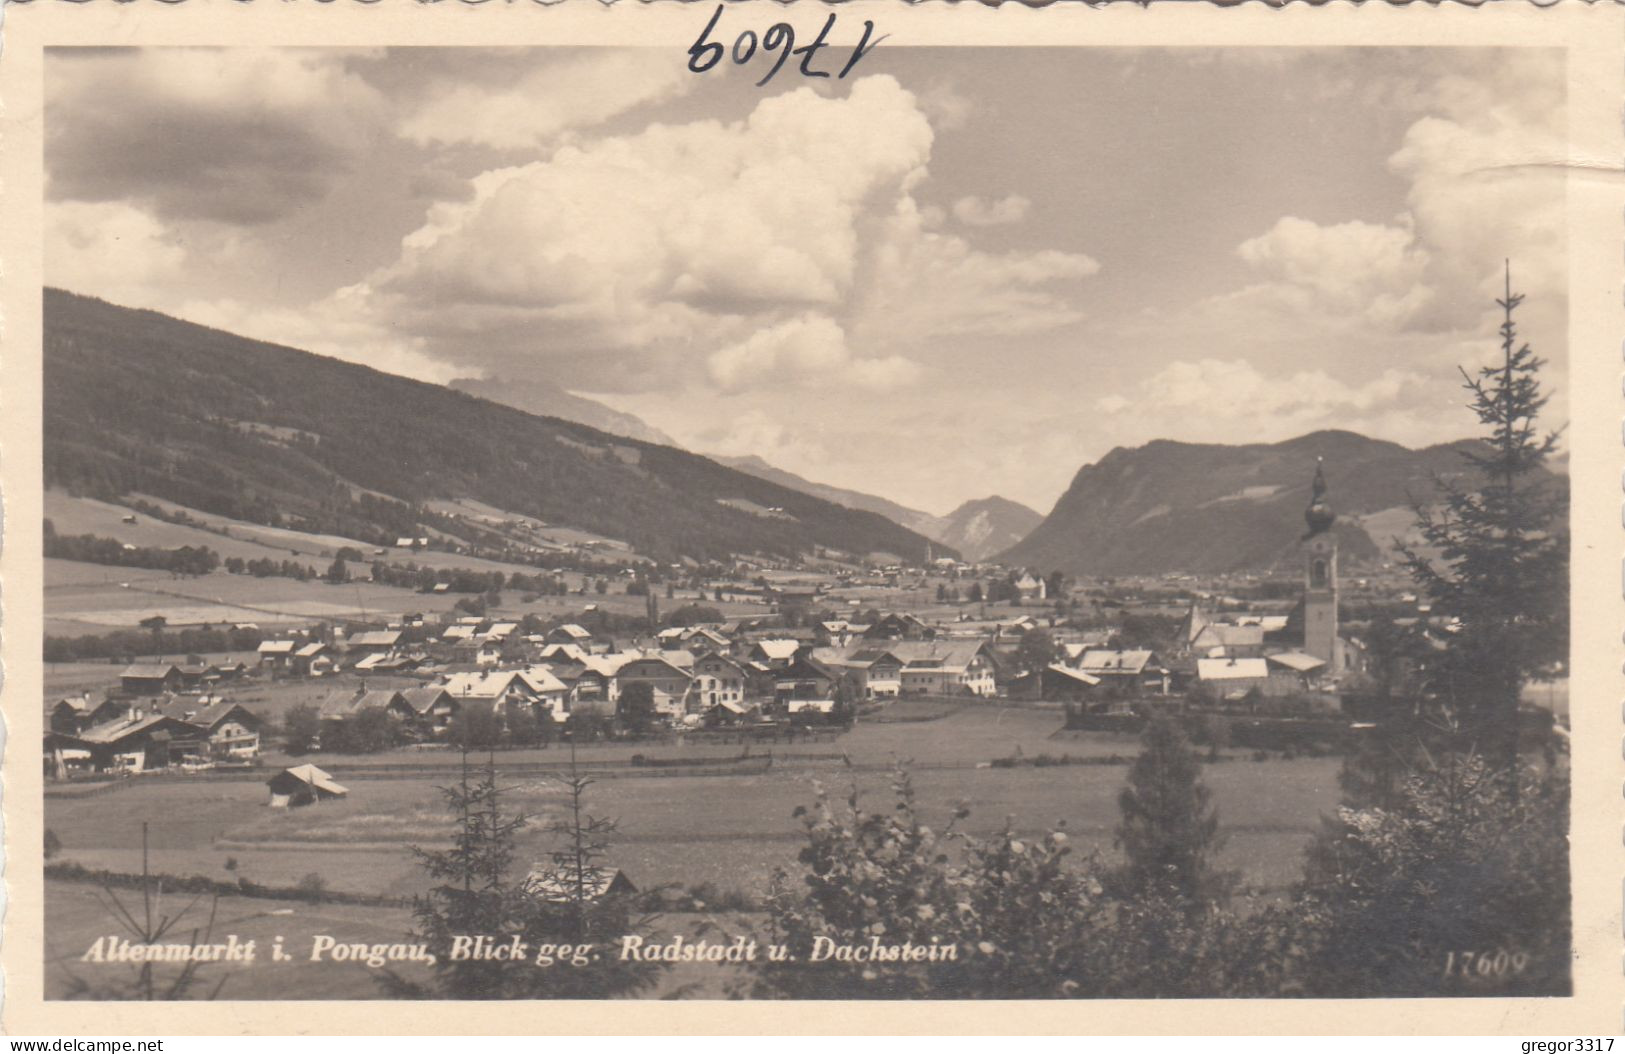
(727, 507)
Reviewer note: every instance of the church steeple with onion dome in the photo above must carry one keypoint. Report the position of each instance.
(1320, 637)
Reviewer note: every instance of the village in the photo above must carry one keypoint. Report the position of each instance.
(417, 682)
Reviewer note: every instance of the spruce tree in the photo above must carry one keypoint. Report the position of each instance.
(1170, 828)
(1499, 566)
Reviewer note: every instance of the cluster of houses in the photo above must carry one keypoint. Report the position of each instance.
(697, 676)
(131, 734)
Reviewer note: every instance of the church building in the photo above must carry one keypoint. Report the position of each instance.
(1320, 636)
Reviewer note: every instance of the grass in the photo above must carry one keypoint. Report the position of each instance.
(728, 830)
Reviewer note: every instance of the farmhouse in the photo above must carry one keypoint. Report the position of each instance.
(433, 707)
(951, 667)
(496, 688)
(776, 652)
(718, 679)
(378, 641)
(77, 713)
(570, 633)
(152, 679)
(655, 671)
(549, 690)
(138, 742)
(547, 882)
(1054, 683)
(231, 730)
(1134, 670)
(899, 626)
(276, 654)
(803, 679)
(302, 785)
(345, 705)
(723, 714)
(312, 660)
(1232, 678)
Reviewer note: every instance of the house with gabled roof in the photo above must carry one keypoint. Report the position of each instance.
(661, 675)
(139, 741)
(303, 785)
(776, 652)
(276, 655)
(717, 679)
(149, 678)
(946, 667)
(313, 660)
(1132, 669)
(232, 730)
(569, 633)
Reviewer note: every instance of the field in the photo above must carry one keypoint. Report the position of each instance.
(728, 830)
(83, 598)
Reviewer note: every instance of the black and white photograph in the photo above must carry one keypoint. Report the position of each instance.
(801, 516)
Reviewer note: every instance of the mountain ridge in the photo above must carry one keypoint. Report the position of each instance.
(1174, 506)
(137, 401)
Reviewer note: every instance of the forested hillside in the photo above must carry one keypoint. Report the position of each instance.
(137, 402)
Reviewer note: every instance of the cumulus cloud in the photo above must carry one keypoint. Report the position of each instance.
(541, 105)
(1367, 270)
(753, 246)
(234, 135)
(332, 326)
(977, 212)
(922, 283)
(1233, 401)
(809, 350)
(111, 249)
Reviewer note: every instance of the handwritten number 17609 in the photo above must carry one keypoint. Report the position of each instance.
(780, 37)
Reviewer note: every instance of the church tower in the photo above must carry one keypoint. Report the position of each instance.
(1320, 637)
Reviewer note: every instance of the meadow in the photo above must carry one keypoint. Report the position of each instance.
(730, 831)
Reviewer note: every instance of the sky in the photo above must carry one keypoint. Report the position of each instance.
(958, 272)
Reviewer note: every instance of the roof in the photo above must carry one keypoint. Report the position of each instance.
(313, 776)
(276, 647)
(656, 657)
(479, 685)
(378, 638)
(1098, 660)
(501, 629)
(123, 727)
(1232, 669)
(570, 629)
(934, 654)
(1296, 660)
(546, 881)
(313, 648)
(605, 665)
(458, 633)
(1070, 673)
(149, 671)
(215, 713)
(731, 706)
(542, 679)
(340, 706)
(422, 700)
(779, 647)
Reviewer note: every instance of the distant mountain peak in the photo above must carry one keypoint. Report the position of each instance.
(546, 399)
(1172, 506)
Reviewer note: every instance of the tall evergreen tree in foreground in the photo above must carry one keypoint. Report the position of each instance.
(1170, 829)
(1499, 560)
